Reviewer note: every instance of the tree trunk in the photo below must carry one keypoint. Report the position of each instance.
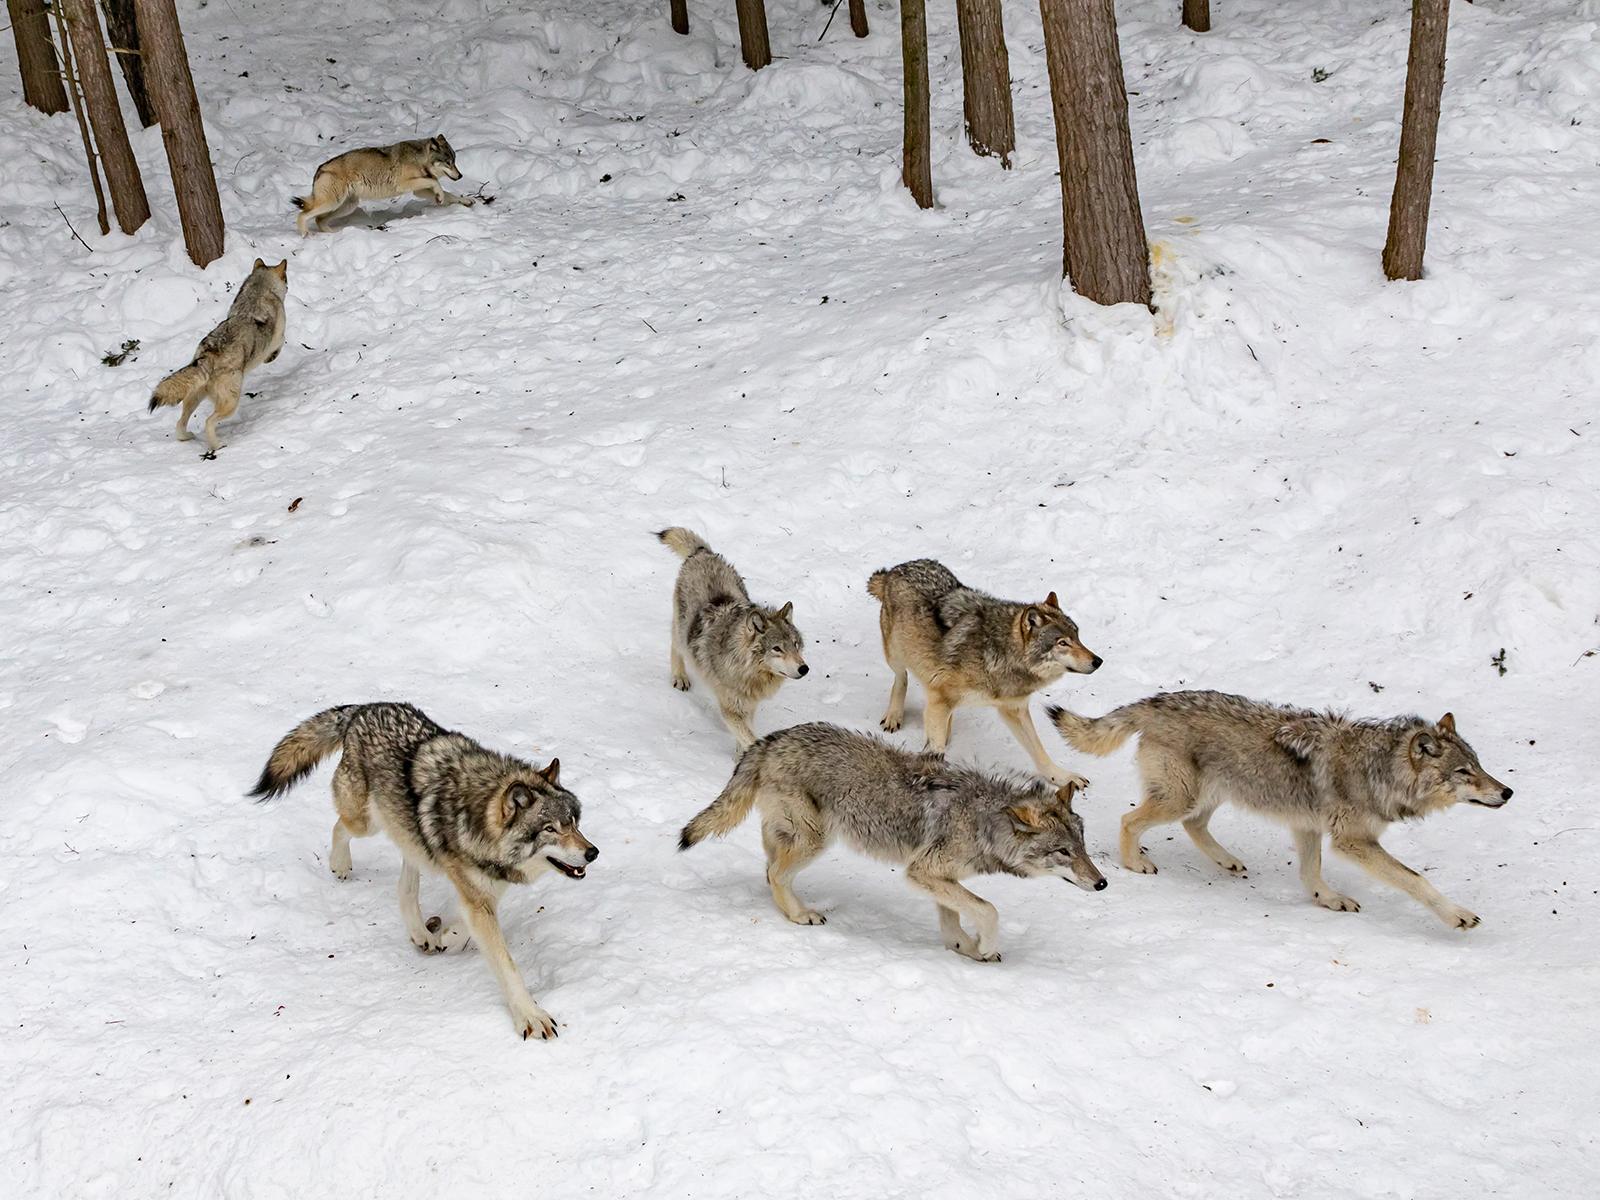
(99, 93)
(36, 55)
(124, 33)
(753, 33)
(680, 16)
(1419, 133)
(1104, 247)
(916, 167)
(858, 17)
(1197, 15)
(78, 106)
(166, 65)
(986, 79)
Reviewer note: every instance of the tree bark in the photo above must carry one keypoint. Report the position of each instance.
(78, 106)
(753, 33)
(99, 91)
(124, 34)
(858, 17)
(166, 64)
(916, 167)
(36, 55)
(986, 79)
(1104, 247)
(1197, 15)
(1419, 133)
(680, 16)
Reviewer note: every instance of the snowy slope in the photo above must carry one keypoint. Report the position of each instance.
(1297, 482)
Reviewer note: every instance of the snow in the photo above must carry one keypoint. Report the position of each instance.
(1296, 481)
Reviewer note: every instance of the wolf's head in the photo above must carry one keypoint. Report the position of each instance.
(1050, 834)
(534, 821)
(1447, 771)
(277, 275)
(441, 158)
(776, 642)
(1050, 640)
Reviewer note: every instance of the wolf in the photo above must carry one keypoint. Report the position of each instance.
(251, 334)
(377, 173)
(482, 819)
(966, 647)
(1321, 774)
(742, 650)
(942, 822)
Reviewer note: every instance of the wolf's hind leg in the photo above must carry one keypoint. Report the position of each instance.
(789, 848)
(1308, 845)
(895, 715)
(350, 800)
(1169, 795)
(1197, 825)
(224, 402)
(949, 894)
(936, 720)
(189, 405)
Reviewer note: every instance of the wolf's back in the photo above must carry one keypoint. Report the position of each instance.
(301, 749)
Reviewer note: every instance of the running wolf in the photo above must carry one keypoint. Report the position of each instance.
(1318, 773)
(966, 647)
(378, 173)
(483, 820)
(251, 334)
(944, 823)
(741, 649)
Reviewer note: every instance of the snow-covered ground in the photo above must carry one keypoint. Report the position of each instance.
(701, 297)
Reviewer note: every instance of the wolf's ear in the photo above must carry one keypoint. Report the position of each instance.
(786, 611)
(1026, 815)
(1032, 617)
(1448, 723)
(518, 795)
(260, 262)
(1066, 792)
(1050, 601)
(756, 622)
(552, 773)
(437, 141)
(282, 270)
(1424, 743)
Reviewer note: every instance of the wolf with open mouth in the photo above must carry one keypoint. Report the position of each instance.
(482, 819)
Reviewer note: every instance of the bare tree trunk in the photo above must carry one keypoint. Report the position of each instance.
(916, 167)
(1419, 133)
(858, 17)
(166, 64)
(1104, 248)
(124, 34)
(1197, 15)
(99, 93)
(36, 55)
(753, 33)
(986, 79)
(680, 16)
(83, 125)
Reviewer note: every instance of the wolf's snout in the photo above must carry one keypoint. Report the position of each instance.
(1505, 794)
(1094, 663)
(1101, 886)
(592, 853)
(803, 671)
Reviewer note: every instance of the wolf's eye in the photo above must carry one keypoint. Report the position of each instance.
(549, 829)
(1463, 771)
(1061, 643)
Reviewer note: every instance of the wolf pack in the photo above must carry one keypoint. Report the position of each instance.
(485, 820)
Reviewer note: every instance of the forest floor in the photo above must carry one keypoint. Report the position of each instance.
(700, 296)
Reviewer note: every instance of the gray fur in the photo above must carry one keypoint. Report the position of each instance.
(1320, 773)
(943, 822)
(481, 818)
(742, 650)
(378, 173)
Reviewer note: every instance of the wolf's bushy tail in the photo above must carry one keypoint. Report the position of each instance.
(681, 541)
(181, 385)
(299, 202)
(877, 583)
(301, 749)
(724, 814)
(1097, 735)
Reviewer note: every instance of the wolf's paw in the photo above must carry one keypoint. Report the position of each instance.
(1232, 866)
(424, 939)
(891, 722)
(1062, 778)
(808, 916)
(342, 870)
(970, 950)
(185, 435)
(1459, 918)
(532, 1021)
(1336, 902)
(1140, 865)
(448, 938)
(681, 682)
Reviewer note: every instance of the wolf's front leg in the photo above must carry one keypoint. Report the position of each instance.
(738, 723)
(955, 937)
(409, 890)
(949, 894)
(479, 908)
(1020, 722)
(1385, 866)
